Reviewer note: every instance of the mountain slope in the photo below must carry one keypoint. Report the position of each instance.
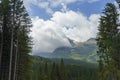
(85, 51)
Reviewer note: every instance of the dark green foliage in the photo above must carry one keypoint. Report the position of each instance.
(24, 59)
(6, 39)
(15, 44)
(0, 32)
(74, 62)
(62, 70)
(75, 72)
(108, 44)
(59, 70)
(55, 73)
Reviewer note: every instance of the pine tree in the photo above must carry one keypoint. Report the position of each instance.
(15, 44)
(58, 76)
(39, 75)
(21, 39)
(107, 40)
(101, 70)
(46, 72)
(62, 70)
(6, 39)
(0, 32)
(53, 73)
(117, 45)
(24, 47)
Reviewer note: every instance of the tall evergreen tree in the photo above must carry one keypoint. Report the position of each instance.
(15, 44)
(39, 74)
(0, 32)
(55, 73)
(6, 39)
(46, 72)
(117, 44)
(24, 43)
(62, 70)
(107, 40)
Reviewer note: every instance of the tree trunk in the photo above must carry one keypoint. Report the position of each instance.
(1, 38)
(15, 66)
(12, 43)
(11, 52)
(1, 46)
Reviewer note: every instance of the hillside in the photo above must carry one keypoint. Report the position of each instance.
(84, 51)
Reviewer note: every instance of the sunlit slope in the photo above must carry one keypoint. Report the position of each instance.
(85, 51)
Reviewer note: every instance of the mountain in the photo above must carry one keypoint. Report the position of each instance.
(84, 51)
(91, 40)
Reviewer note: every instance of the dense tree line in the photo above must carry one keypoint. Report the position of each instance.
(108, 41)
(45, 69)
(15, 43)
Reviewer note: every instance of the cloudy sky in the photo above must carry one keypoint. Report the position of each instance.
(56, 20)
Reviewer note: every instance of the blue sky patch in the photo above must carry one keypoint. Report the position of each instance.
(84, 7)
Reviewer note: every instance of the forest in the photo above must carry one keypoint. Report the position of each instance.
(18, 63)
(50, 69)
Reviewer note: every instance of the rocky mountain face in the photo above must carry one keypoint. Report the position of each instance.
(85, 51)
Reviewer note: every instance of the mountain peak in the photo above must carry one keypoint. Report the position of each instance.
(72, 42)
(91, 40)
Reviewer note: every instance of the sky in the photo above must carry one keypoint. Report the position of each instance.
(54, 21)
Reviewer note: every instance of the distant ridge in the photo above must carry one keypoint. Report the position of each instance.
(91, 40)
(84, 51)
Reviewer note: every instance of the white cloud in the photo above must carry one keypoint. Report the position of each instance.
(27, 4)
(91, 1)
(64, 7)
(45, 5)
(47, 35)
(50, 34)
(55, 3)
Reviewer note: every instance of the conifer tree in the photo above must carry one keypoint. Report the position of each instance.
(39, 75)
(22, 42)
(46, 73)
(107, 40)
(53, 73)
(117, 44)
(0, 32)
(62, 70)
(6, 39)
(15, 44)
